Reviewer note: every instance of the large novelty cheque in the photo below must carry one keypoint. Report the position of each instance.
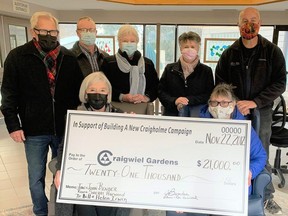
(149, 162)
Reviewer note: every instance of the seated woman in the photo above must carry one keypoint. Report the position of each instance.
(187, 83)
(95, 95)
(222, 105)
(132, 76)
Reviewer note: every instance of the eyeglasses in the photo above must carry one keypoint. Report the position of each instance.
(84, 30)
(44, 32)
(222, 103)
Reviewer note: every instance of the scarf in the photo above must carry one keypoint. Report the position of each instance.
(50, 61)
(188, 68)
(137, 78)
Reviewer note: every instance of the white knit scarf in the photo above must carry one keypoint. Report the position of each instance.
(137, 77)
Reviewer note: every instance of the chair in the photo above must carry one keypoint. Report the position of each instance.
(255, 119)
(52, 199)
(279, 138)
(141, 108)
(67, 208)
(256, 199)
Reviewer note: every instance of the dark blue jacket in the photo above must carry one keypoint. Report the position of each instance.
(258, 155)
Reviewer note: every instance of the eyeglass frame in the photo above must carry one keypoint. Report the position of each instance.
(91, 30)
(222, 103)
(47, 32)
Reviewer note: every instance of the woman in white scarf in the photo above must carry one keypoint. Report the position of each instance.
(132, 76)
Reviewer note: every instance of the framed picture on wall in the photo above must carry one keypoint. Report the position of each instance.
(214, 47)
(106, 43)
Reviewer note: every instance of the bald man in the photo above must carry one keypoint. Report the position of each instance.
(257, 68)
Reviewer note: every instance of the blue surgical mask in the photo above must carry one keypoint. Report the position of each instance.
(88, 38)
(129, 48)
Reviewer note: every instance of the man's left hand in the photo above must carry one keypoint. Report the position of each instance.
(244, 106)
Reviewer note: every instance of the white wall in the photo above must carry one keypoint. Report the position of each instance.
(228, 17)
(6, 8)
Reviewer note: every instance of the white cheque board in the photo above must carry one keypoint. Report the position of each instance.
(149, 162)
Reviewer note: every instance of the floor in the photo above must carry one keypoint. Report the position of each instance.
(14, 190)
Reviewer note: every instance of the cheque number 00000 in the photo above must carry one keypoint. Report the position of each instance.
(231, 130)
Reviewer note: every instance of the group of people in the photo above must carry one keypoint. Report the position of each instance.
(42, 80)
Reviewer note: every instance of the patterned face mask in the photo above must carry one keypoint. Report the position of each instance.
(249, 30)
(219, 112)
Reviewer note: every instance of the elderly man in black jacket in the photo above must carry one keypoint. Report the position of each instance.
(41, 81)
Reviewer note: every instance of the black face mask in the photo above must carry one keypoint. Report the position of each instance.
(47, 42)
(97, 101)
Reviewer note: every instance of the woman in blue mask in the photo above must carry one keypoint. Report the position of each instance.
(222, 105)
(95, 94)
(132, 76)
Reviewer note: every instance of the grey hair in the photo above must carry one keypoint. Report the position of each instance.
(193, 36)
(35, 17)
(126, 30)
(85, 18)
(93, 78)
(224, 90)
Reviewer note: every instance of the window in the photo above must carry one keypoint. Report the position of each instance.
(167, 46)
(17, 36)
(150, 42)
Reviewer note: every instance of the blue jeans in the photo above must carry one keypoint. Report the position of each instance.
(36, 149)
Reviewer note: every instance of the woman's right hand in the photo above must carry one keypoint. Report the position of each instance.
(180, 102)
(128, 98)
(57, 179)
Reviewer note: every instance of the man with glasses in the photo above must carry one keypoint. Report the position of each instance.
(257, 68)
(89, 56)
(41, 81)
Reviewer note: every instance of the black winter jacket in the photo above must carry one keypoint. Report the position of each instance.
(83, 60)
(25, 91)
(197, 87)
(120, 80)
(262, 81)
